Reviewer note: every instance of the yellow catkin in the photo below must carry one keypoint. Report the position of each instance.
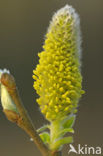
(58, 79)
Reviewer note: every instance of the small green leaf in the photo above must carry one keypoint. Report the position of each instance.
(45, 137)
(68, 123)
(42, 128)
(60, 142)
(64, 131)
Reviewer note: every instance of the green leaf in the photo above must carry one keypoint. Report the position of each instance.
(69, 122)
(45, 137)
(64, 131)
(42, 128)
(60, 142)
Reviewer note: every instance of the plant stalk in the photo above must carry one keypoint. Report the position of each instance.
(24, 121)
(58, 153)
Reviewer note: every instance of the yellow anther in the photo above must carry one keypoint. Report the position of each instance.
(66, 109)
(61, 89)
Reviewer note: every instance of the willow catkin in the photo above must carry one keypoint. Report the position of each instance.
(58, 79)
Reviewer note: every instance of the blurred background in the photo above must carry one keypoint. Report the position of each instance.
(23, 25)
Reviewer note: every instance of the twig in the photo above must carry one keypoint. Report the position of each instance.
(57, 153)
(24, 120)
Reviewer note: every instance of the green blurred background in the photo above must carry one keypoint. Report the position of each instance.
(23, 25)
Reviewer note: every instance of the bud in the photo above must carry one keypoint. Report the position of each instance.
(58, 79)
(8, 105)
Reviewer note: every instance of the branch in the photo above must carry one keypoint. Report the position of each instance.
(56, 153)
(22, 119)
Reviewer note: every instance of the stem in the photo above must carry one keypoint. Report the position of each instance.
(54, 130)
(59, 153)
(25, 122)
(22, 119)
